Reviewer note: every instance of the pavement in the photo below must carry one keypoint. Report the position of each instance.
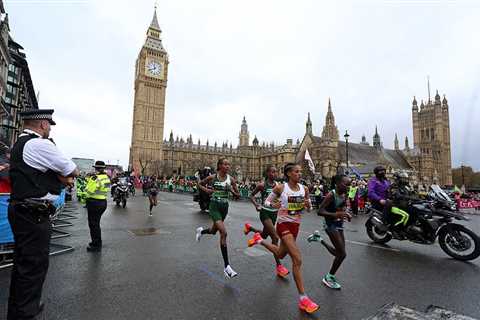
(167, 275)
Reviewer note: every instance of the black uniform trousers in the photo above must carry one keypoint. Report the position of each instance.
(31, 232)
(95, 209)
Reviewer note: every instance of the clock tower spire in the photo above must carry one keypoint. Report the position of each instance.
(151, 73)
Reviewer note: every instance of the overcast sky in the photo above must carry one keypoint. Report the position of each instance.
(270, 60)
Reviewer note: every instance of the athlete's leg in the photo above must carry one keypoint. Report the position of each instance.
(150, 199)
(223, 241)
(255, 230)
(329, 247)
(296, 257)
(212, 230)
(278, 251)
(269, 231)
(338, 241)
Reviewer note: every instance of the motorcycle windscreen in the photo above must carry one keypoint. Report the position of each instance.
(439, 193)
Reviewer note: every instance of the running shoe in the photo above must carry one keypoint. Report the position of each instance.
(257, 238)
(229, 272)
(315, 237)
(198, 233)
(282, 271)
(330, 281)
(247, 228)
(307, 305)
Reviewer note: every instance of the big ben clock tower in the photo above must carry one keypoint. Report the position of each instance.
(151, 73)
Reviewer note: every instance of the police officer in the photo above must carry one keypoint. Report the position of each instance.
(97, 189)
(38, 172)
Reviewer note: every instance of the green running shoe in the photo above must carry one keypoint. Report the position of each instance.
(315, 237)
(330, 281)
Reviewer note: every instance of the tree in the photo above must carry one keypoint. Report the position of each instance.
(465, 176)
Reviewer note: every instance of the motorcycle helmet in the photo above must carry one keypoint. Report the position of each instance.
(401, 177)
(378, 169)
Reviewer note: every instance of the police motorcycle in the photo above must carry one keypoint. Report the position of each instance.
(431, 219)
(201, 196)
(120, 195)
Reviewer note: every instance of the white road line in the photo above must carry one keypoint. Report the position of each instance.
(372, 245)
(362, 244)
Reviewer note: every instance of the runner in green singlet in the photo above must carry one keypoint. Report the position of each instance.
(223, 184)
(333, 209)
(268, 215)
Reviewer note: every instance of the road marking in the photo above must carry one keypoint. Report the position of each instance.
(372, 245)
(365, 244)
(220, 280)
(254, 252)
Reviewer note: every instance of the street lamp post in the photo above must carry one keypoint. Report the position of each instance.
(346, 136)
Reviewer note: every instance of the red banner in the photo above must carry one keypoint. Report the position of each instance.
(468, 204)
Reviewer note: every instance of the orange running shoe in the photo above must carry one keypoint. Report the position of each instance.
(257, 238)
(247, 228)
(307, 305)
(282, 271)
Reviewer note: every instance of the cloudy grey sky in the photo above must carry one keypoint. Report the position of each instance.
(270, 60)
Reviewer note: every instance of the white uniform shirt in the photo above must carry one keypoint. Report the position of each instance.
(43, 154)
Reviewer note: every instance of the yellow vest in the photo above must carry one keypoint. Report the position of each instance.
(97, 187)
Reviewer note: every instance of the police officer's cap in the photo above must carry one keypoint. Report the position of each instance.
(99, 165)
(38, 114)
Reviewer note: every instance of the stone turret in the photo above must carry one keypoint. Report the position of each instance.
(395, 143)
(364, 140)
(377, 143)
(255, 141)
(330, 130)
(407, 146)
(309, 128)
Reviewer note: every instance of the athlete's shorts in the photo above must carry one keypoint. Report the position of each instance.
(153, 193)
(218, 210)
(285, 228)
(267, 214)
(332, 226)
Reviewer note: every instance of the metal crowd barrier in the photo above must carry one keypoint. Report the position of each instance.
(59, 219)
(244, 192)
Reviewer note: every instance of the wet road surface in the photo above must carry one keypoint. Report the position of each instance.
(167, 275)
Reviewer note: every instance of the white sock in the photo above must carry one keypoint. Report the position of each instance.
(303, 296)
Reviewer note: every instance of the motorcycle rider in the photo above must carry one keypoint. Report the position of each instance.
(378, 190)
(400, 194)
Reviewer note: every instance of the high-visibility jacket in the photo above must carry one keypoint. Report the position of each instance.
(352, 192)
(98, 187)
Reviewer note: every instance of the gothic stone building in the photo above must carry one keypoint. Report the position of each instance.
(428, 160)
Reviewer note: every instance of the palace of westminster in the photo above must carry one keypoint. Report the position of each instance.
(428, 160)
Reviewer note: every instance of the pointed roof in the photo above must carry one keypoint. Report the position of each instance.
(329, 105)
(154, 25)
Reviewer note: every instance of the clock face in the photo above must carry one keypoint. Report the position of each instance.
(154, 68)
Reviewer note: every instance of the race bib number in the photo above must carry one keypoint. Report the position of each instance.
(296, 204)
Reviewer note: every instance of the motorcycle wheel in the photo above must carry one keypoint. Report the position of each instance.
(456, 239)
(377, 235)
(118, 202)
(124, 203)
